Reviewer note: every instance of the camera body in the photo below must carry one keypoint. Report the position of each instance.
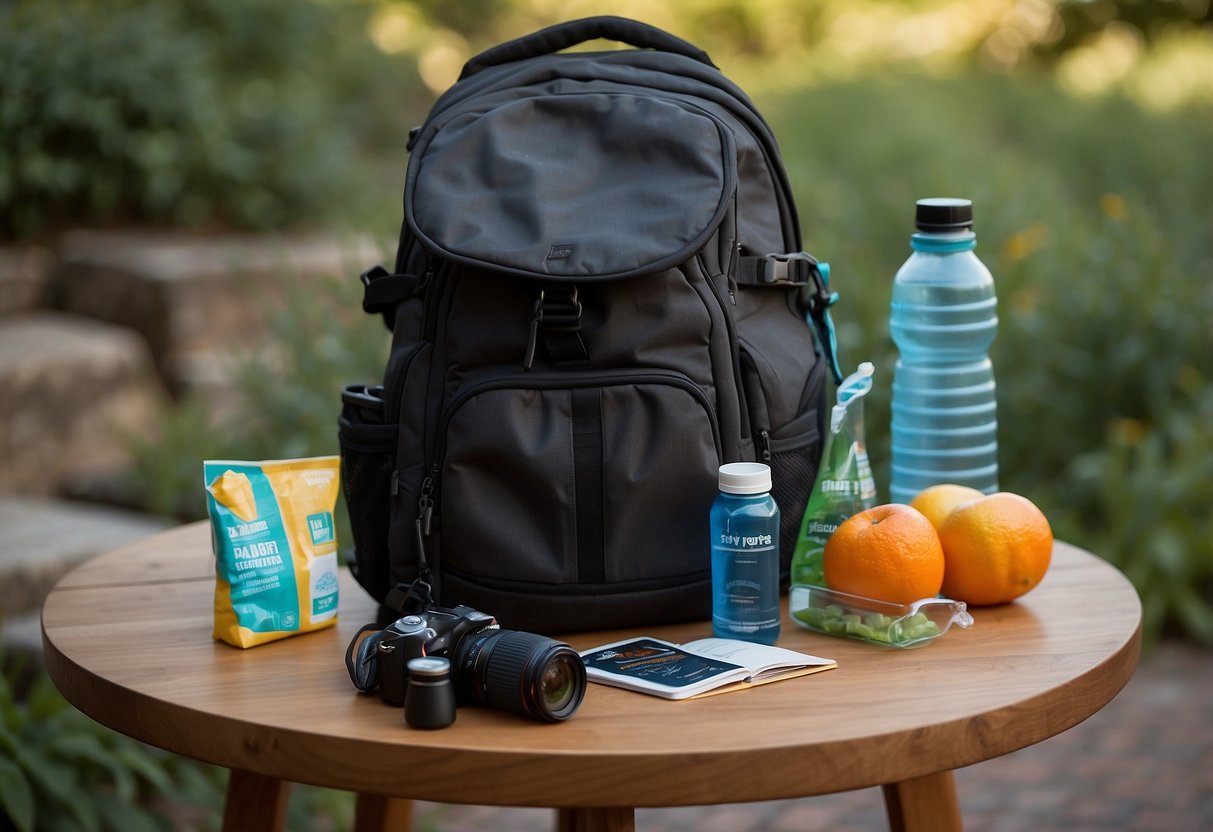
(525, 673)
(434, 632)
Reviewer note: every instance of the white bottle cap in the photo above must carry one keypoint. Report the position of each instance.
(745, 478)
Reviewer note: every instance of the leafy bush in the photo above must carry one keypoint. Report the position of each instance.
(251, 113)
(59, 770)
(1091, 215)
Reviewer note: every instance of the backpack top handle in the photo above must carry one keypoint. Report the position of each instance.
(563, 35)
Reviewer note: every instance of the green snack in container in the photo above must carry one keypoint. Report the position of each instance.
(876, 622)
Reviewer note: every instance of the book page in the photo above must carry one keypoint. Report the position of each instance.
(760, 659)
(659, 667)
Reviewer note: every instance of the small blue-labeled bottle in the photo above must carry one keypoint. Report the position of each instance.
(745, 555)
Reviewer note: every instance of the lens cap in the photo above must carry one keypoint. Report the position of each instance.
(429, 700)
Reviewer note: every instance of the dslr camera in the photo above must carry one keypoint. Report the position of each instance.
(514, 671)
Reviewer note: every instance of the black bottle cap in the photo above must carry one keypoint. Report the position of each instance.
(943, 214)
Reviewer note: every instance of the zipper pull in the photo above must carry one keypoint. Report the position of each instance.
(533, 337)
(427, 275)
(395, 486)
(765, 444)
(425, 506)
(731, 273)
(532, 341)
(425, 512)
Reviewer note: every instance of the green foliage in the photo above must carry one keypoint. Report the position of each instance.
(1081, 18)
(286, 397)
(1102, 259)
(61, 771)
(251, 113)
(1091, 215)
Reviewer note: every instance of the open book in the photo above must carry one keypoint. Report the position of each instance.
(697, 668)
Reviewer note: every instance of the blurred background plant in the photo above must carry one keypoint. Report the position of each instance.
(1078, 127)
(61, 771)
(231, 113)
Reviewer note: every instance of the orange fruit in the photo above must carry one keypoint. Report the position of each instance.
(890, 552)
(937, 502)
(996, 548)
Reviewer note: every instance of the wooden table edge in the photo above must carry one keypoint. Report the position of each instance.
(73, 681)
(99, 697)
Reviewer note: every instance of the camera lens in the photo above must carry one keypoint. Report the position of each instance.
(524, 673)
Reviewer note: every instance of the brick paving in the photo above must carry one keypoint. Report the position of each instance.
(1144, 763)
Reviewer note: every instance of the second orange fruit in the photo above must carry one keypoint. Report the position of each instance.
(997, 548)
(890, 552)
(937, 501)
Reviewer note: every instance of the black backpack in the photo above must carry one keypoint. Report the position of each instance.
(599, 297)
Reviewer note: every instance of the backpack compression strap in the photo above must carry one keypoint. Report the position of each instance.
(563, 35)
(799, 269)
(382, 291)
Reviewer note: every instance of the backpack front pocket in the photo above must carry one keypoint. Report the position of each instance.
(613, 498)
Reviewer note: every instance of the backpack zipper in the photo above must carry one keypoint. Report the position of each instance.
(731, 328)
(433, 297)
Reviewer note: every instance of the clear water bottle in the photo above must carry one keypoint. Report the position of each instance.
(943, 319)
(745, 555)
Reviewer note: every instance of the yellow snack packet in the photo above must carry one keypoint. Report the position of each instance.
(275, 547)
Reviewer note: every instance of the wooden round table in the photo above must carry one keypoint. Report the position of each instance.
(127, 640)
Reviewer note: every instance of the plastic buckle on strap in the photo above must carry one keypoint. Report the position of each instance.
(557, 314)
(795, 269)
(372, 274)
(559, 308)
(803, 270)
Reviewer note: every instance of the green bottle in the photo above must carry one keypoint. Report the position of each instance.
(844, 484)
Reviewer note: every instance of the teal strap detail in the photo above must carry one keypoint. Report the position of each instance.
(818, 316)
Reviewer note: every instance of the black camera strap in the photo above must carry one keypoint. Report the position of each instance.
(360, 657)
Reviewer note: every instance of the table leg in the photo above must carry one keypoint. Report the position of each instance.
(376, 813)
(254, 801)
(923, 803)
(596, 820)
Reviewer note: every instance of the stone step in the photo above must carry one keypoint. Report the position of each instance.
(190, 295)
(75, 390)
(24, 277)
(41, 539)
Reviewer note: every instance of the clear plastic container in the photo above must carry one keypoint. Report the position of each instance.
(836, 613)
